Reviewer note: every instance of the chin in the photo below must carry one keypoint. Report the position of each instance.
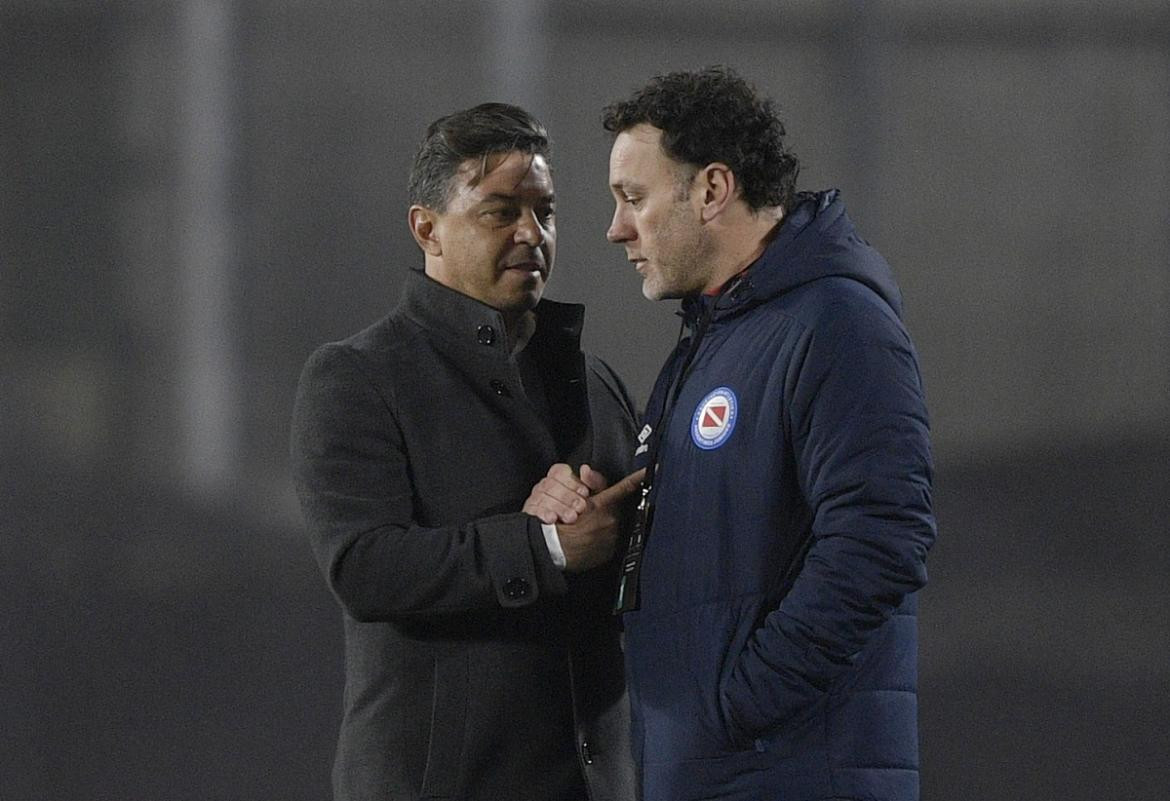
(654, 290)
(524, 304)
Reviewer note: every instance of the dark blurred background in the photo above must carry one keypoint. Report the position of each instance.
(195, 194)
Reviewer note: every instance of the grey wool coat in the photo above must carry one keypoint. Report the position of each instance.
(475, 669)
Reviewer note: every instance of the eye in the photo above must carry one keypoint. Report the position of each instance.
(546, 213)
(502, 214)
(633, 200)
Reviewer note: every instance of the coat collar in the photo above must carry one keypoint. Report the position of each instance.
(816, 240)
(464, 320)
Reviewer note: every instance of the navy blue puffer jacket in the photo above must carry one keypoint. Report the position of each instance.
(774, 652)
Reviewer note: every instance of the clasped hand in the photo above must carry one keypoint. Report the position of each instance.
(585, 509)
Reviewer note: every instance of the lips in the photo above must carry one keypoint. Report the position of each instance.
(528, 267)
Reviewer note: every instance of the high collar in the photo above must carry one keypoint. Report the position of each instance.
(464, 320)
(737, 288)
(816, 240)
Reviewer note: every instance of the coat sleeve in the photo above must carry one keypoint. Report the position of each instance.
(858, 426)
(353, 481)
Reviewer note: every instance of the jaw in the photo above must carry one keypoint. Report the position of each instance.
(520, 291)
(659, 284)
(651, 285)
(514, 283)
(652, 289)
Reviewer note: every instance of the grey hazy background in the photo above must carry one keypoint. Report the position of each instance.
(195, 194)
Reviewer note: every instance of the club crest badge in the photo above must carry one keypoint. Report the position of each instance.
(714, 418)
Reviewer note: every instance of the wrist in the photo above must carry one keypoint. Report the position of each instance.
(552, 539)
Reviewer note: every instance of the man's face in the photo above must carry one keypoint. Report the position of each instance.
(655, 217)
(498, 233)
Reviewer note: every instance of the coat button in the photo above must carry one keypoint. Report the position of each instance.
(500, 388)
(516, 588)
(485, 335)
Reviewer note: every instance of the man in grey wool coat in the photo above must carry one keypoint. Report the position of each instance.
(482, 661)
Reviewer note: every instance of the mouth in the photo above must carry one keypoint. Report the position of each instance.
(638, 263)
(528, 267)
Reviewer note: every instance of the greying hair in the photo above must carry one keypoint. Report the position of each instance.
(473, 133)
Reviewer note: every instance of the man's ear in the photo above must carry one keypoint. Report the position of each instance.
(423, 229)
(717, 189)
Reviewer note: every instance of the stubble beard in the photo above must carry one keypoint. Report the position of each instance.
(684, 266)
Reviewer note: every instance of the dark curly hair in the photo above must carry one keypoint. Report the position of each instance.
(473, 133)
(715, 115)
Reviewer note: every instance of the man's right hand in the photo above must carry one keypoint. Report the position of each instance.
(587, 514)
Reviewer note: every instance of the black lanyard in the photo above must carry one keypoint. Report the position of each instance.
(627, 594)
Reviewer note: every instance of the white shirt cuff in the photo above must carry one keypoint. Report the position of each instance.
(553, 540)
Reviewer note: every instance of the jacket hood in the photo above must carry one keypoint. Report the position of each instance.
(816, 240)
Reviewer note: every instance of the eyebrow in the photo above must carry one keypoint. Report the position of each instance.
(628, 186)
(501, 197)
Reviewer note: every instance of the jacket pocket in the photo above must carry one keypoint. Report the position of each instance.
(448, 724)
(677, 664)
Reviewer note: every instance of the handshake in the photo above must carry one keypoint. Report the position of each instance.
(587, 512)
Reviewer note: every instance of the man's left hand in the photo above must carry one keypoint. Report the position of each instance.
(560, 496)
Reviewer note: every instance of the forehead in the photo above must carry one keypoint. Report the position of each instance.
(637, 157)
(510, 174)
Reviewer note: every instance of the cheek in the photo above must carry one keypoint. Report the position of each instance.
(463, 242)
(655, 224)
(647, 232)
(492, 246)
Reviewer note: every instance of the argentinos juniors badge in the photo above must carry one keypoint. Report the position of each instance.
(714, 418)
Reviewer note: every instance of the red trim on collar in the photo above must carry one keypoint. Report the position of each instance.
(719, 289)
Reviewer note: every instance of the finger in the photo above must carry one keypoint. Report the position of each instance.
(564, 475)
(565, 510)
(565, 494)
(543, 515)
(550, 516)
(593, 479)
(622, 488)
(570, 487)
(536, 508)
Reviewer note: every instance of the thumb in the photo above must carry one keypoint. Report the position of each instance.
(621, 488)
(592, 479)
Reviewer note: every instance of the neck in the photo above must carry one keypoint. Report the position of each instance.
(519, 328)
(744, 243)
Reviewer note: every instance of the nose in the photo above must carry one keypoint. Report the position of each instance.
(620, 229)
(529, 231)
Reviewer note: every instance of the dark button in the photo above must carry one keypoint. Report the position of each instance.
(485, 335)
(516, 588)
(500, 388)
(586, 754)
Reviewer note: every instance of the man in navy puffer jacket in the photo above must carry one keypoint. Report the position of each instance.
(770, 612)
